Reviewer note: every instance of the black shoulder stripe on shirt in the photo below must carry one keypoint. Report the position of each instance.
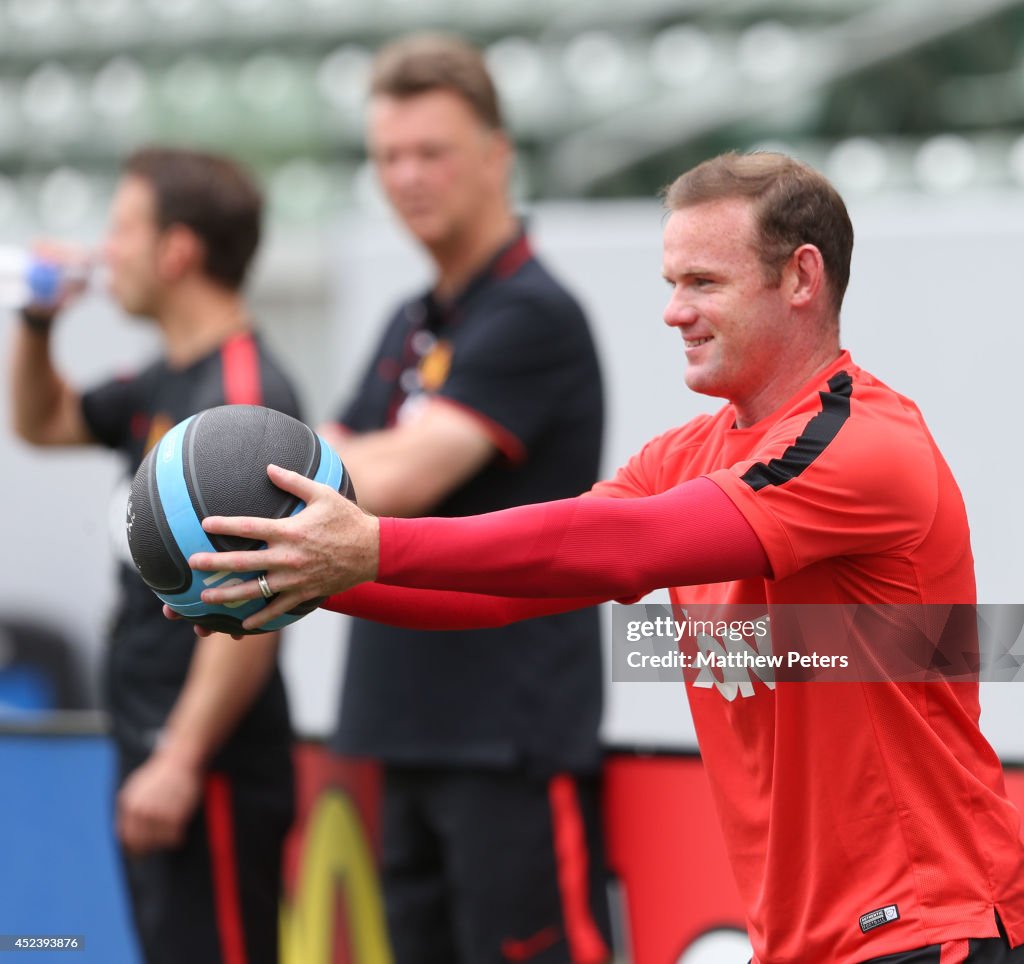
(812, 441)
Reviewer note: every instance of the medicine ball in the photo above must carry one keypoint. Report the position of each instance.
(215, 463)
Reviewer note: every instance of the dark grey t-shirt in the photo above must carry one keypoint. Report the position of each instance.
(515, 349)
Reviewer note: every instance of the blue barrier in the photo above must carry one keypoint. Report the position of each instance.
(60, 873)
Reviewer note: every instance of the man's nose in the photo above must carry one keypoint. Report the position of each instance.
(679, 313)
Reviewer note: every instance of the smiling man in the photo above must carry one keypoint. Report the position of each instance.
(865, 821)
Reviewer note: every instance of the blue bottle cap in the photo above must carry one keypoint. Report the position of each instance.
(43, 282)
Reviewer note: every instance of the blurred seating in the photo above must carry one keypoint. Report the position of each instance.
(603, 98)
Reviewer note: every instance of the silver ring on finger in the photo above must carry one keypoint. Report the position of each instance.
(261, 581)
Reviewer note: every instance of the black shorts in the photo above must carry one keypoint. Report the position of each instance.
(215, 899)
(986, 950)
(493, 866)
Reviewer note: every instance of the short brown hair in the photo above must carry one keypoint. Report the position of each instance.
(212, 196)
(426, 62)
(793, 205)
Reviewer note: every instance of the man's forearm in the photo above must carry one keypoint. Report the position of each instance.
(408, 469)
(224, 679)
(435, 609)
(45, 410)
(612, 548)
(36, 387)
(375, 462)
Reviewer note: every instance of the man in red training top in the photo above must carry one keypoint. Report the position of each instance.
(865, 821)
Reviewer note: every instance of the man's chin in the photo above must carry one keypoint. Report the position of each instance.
(425, 228)
(696, 379)
(704, 383)
(134, 310)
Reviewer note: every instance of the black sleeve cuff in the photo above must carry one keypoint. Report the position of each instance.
(35, 320)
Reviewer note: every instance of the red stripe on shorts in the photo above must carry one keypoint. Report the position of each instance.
(586, 946)
(220, 832)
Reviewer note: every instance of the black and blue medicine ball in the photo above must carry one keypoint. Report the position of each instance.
(215, 463)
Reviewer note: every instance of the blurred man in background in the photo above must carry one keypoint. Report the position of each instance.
(484, 392)
(201, 728)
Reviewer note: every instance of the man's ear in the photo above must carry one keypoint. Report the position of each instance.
(803, 277)
(181, 252)
(502, 155)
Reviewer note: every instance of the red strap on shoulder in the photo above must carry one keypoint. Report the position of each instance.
(240, 370)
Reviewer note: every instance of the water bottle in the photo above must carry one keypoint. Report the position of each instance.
(27, 279)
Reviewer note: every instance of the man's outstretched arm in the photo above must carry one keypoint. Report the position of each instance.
(593, 547)
(445, 609)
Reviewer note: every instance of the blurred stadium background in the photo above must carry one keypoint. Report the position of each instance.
(605, 99)
(915, 108)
